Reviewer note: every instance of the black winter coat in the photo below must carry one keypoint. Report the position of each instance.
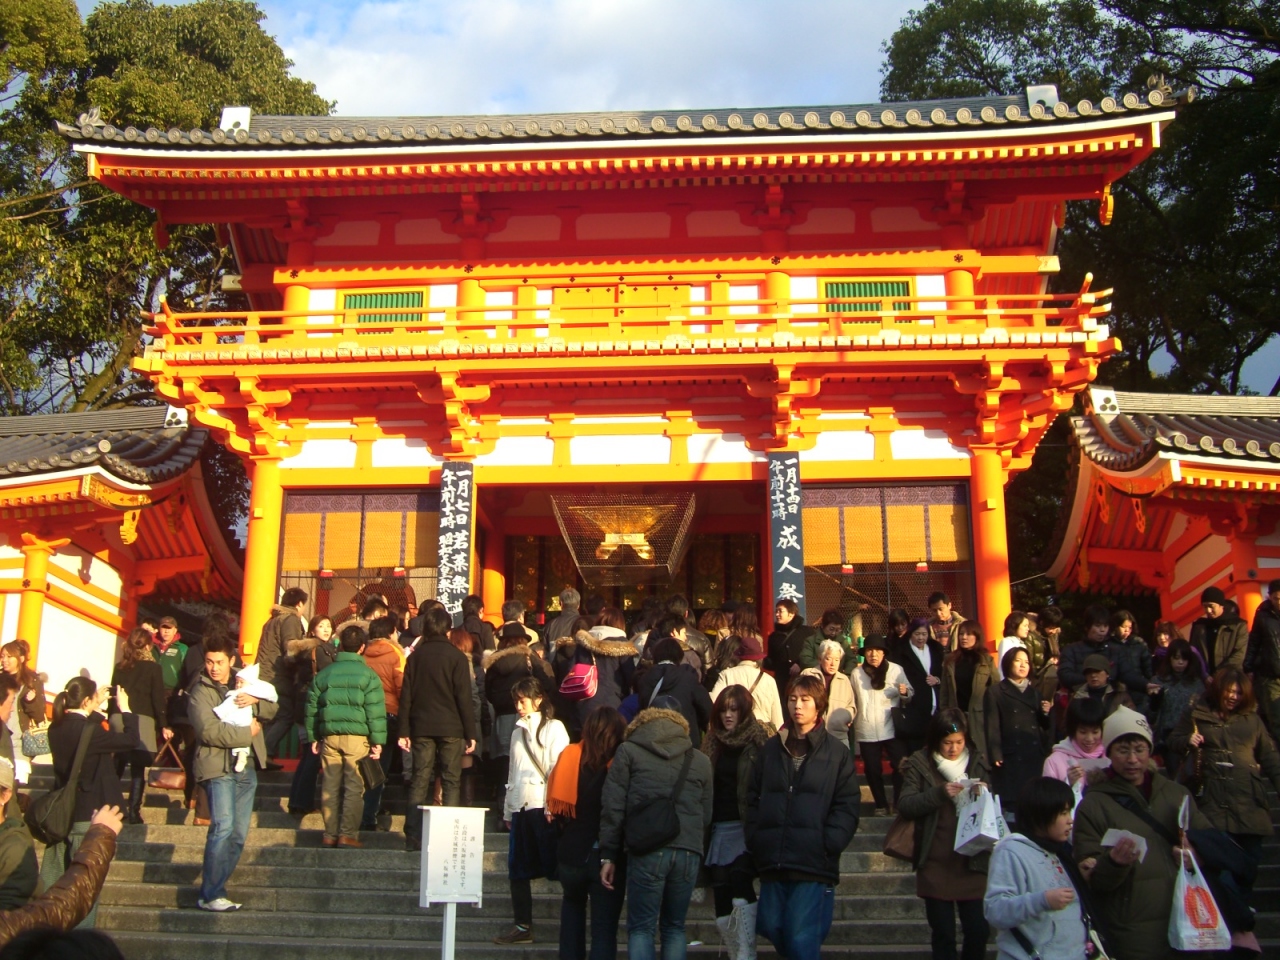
(505, 668)
(1133, 668)
(785, 646)
(615, 664)
(1017, 731)
(99, 784)
(679, 681)
(801, 820)
(1263, 656)
(1071, 663)
(920, 709)
(435, 700)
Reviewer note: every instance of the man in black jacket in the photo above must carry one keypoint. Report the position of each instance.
(1097, 640)
(671, 677)
(788, 639)
(1263, 657)
(802, 811)
(437, 721)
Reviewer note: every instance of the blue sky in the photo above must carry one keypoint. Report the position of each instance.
(418, 57)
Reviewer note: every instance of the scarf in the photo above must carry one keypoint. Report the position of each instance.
(1020, 684)
(953, 771)
(562, 785)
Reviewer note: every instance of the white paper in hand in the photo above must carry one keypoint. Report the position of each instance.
(1114, 836)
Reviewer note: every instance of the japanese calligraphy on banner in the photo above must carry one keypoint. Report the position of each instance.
(452, 855)
(457, 499)
(786, 535)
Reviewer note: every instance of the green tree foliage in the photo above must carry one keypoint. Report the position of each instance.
(79, 264)
(1196, 230)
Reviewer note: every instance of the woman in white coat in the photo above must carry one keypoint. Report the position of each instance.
(878, 687)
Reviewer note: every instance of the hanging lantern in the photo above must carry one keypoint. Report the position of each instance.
(922, 567)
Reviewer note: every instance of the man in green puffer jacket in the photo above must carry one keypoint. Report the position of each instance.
(346, 720)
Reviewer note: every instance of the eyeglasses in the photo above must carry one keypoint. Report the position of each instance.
(1133, 750)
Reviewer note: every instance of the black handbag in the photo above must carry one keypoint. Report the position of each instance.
(49, 817)
(654, 825)
(371, 772)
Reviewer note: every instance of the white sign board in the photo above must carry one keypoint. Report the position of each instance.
(452, 855)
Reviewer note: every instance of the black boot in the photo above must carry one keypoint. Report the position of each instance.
(137, 793)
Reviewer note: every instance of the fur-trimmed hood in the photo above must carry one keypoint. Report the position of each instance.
(751, 732)
(302, 646)
(606, 647)
(519, 651)
(666, 740)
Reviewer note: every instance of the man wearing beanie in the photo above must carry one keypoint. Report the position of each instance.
(1220, 635)
(1134, 897)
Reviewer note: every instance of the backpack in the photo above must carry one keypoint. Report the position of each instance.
(49, 817)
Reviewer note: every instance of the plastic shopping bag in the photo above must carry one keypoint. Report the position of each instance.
(1196, 922)
(981, 825)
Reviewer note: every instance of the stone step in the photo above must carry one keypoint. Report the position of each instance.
(404, 901)
(474, 926)
(386, 851)
(189, 946)
(405, 878)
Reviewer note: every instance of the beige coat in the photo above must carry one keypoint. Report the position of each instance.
(841, 708)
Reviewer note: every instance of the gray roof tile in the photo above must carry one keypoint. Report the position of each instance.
(1122, 431)
(324, 132)
(139, 444)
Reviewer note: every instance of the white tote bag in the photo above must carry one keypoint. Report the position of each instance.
(981, 825)
(1196, 923)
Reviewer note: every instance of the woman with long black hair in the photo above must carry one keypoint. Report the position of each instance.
(77, 708)
(573, 796)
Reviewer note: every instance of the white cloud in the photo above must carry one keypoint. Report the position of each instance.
(422, 57)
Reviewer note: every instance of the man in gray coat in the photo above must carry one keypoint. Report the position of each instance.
(231, 791)
(644, 775)
(562, 626)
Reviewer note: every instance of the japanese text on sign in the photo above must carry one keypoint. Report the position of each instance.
(457, 495)
(786, 532)
(452, 855)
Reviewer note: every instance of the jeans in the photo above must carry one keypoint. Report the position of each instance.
(231, 806)
(795, 916)
(428, 752)
(659, 887)
(341, 787)
(56, 860)
(373, 798)
(581, 883)
(941, 915)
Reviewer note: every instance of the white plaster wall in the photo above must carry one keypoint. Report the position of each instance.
(616, 450)
(403, 452)
(519, 452)
(101, 574)
(322, 453)
(924, 445)
(838, 445)
(721, 448)
(71, 647)
(9, 623)
(1193, 564)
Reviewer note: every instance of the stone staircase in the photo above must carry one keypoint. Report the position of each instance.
(303, 901)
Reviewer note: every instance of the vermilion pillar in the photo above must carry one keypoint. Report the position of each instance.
(262, 552)
(35, 583)
(990, 538)
(493, 580)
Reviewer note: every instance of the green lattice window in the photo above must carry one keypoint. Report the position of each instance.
(396, 300)
(836, 289)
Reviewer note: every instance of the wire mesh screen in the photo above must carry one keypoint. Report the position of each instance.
(625, 537)
(870, 550)
(345, 546)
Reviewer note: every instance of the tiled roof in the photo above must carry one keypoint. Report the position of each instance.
(1039, 106)
(140, 444)
(1123, 431)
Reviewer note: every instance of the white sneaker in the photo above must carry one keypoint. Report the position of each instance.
(221, 905)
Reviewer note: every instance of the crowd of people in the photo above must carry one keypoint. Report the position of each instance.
(634, 759)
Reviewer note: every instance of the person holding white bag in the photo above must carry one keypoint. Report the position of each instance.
(937, 783)
(1134, 893)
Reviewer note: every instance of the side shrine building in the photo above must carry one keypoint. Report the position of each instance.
(513, 353)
